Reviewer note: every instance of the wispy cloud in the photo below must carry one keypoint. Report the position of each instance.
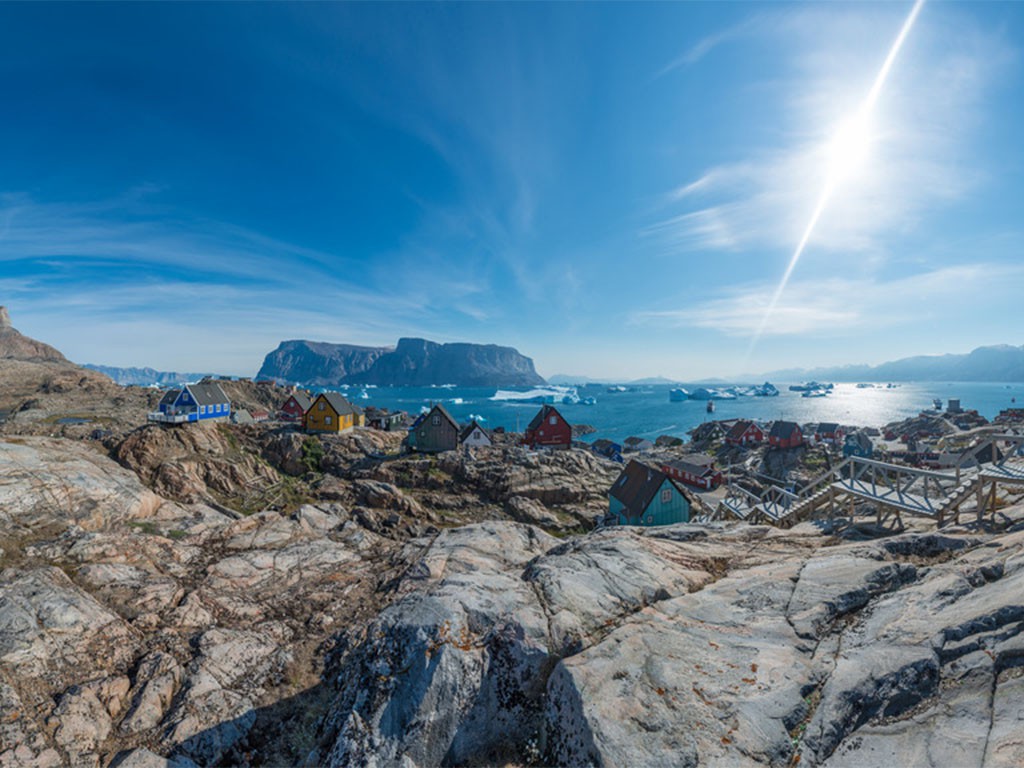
(844, 307)
(918, 159)
(706, 44)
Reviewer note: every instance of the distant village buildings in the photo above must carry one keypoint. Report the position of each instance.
(433, 432)
(330, 412)
(548, 429)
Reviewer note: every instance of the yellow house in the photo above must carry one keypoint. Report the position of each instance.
(330, 412)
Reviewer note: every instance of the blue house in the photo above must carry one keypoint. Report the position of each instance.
(644, 495)
(858, 444)
(193, 402)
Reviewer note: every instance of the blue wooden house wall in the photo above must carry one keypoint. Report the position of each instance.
(196, 412)
(658, 512)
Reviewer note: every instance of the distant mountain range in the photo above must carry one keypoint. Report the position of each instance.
(411, 363)
(144, 377)
(1002, 362)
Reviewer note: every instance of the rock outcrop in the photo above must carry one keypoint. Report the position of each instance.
(14, 345)
(692, 646)
(413, 363)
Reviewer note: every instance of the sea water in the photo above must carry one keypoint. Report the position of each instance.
(647, 412)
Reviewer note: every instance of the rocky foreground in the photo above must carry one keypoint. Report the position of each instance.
(379, 628)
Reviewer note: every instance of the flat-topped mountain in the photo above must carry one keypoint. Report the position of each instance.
(412, 363)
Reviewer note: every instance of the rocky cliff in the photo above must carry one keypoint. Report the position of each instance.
(15, 346)
(413, 363)
(317, 363)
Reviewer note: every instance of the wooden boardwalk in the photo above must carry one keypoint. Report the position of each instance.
(890, 488)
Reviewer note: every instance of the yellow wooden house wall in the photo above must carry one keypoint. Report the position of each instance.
(316, 421)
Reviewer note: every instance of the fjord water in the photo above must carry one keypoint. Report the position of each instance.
(646, 411)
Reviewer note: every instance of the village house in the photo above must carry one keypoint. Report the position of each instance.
(607, 448)
(696, 469)
(744, 432)
(858, 444)
(205, 401)
(433, 432)
(384, 420)
(329, 412)
(638, 444)
(644, 495)
(475, 436)
(548, 429)
(295, 406)
(785, 434)
(828, 432)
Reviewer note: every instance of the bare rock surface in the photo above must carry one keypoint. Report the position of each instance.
(724, 645)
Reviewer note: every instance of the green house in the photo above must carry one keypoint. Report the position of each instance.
(644, 495)
(434, 432)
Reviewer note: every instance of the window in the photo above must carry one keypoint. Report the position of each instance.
(436, 421)
(320, 407)
(666, 495)
(327, 419)
(650, 519)
(202, 409)
(553, 421)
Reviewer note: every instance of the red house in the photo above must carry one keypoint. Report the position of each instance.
(695, 470)
(295, 407)
(785, 434)
(745, 432)
(828, 431)
(548, 430)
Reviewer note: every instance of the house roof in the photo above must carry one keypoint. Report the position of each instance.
(827, 426)
(696, 464)
(170, 396)
(603, 443)
(468, 430)
(302, 400)
(738, 429)
(636, 441)
(638, 484)
(443, 411)
(542, 415)
(207, 393)
(860, 438)
(337, 401)
(784, 429)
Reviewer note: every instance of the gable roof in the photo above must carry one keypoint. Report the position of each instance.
(638, 484)
(695, 464)
(784, 429)
(301, 399)
(542, 415)
(441, 409)
(827, 426)
(739, 429)
(170, 396)
(860, 439)
(468, 430)
(337, 401)
(207, 393)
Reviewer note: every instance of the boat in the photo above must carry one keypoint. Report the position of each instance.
(711, 406)
(678, 395)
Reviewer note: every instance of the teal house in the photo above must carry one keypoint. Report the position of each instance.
(644, 495)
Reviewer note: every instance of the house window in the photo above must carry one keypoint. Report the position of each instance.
(327, 419)
(320, 406)
(666, 496)
(552, 421)
(436, 421)
(650, 519)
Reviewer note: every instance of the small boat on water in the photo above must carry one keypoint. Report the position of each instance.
(711, 406)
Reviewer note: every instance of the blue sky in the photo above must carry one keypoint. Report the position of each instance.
(614, 189)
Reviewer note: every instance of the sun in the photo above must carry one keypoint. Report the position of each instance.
(850, 148)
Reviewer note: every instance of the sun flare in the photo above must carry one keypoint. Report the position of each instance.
(850, 148)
